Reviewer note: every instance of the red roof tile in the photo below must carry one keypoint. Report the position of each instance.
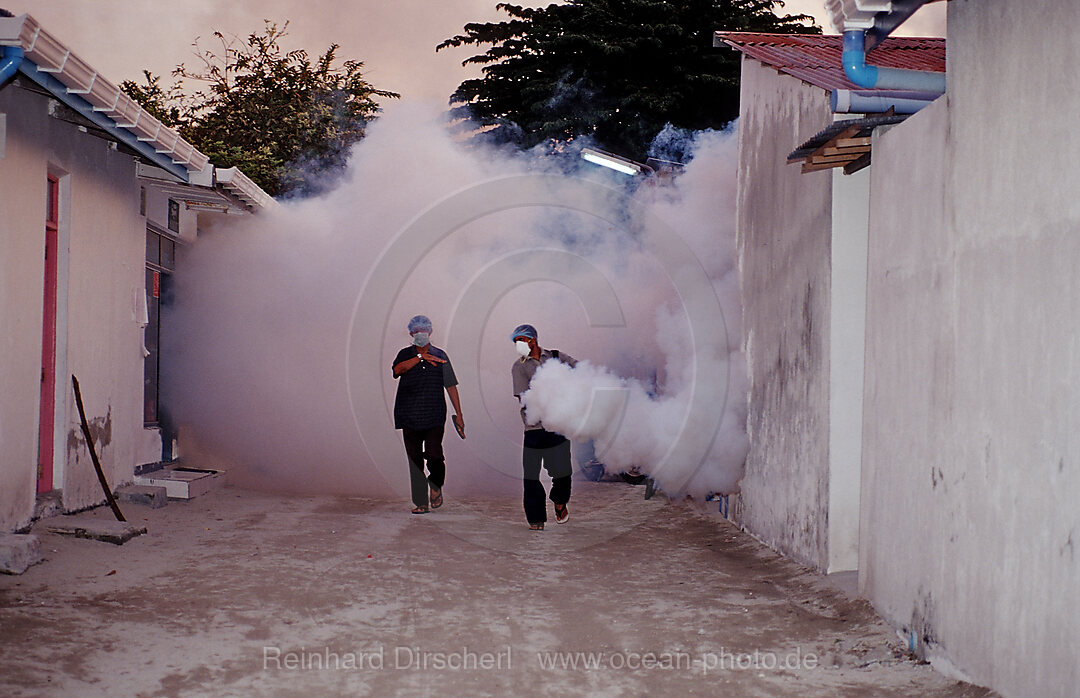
(815, 58)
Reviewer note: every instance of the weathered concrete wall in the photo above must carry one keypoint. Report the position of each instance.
(108, 248)
(102, 248)
(22, 249)
(971, 452)
(910, 365)
(784, 223)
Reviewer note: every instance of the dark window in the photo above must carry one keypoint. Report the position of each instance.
(174, 216)
(160, 251)
(160, 262)
(168, 253)
(153, 247)
(151, 364)
(142, 201)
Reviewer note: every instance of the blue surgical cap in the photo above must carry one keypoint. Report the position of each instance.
(523, 331)
(420, 323)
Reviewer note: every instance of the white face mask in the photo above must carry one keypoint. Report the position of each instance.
(522, 348)
(420, 339)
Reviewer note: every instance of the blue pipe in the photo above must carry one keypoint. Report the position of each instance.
(863, 75)
(10, 60)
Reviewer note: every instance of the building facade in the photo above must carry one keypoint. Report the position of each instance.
(802, 238)
(969, 462)
(97, 196)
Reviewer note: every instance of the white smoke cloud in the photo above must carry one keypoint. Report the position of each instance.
(634, 422)
(276, 371)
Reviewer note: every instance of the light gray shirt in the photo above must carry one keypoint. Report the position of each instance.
(522, 372)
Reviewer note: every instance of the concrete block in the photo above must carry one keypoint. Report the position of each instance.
(116, 532)
(47, 505)
(18, 551)
(145, 495)
(181, 482)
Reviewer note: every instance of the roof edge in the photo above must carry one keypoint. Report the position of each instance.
(816, 59)
(234, 181)
(77, 84)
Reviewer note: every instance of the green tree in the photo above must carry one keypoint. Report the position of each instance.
(616, 70)
(285, 120)
(162, 104)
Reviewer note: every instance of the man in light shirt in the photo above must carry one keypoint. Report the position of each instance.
(540, 447)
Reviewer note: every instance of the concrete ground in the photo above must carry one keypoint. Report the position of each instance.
(240, 593)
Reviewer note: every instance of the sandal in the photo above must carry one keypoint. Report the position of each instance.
(536, 527)
(562, 514)
(420, 510)
(436, 497)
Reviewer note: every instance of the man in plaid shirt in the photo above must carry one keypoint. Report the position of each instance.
(423, 372)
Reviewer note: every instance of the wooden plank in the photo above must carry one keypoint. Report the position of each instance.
(846, 133)
(834, 145)
(832, 158)
(854, 152)
(807, 167)
(851, 142)
(857, 164)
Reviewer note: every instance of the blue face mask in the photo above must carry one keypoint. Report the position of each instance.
(420, 339)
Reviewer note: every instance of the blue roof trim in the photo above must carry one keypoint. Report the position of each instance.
(60, 91)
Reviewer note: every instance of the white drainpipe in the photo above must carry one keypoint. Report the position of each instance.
(901, 102)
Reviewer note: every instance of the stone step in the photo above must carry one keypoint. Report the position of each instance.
(145, 495)
(18, 551)
(116, 532)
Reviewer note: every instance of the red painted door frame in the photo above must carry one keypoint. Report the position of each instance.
(48, 341)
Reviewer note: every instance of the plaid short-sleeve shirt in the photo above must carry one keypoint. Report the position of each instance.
(420, 403)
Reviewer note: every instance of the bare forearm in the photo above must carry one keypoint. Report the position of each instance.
(406, 365)
(452, 391)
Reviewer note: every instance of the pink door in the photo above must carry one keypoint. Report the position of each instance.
(48, 342)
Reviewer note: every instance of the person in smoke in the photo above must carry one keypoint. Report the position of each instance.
(423, 372)
(540, 446)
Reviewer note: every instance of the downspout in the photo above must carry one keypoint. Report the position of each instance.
(863, 75)
(10, 60)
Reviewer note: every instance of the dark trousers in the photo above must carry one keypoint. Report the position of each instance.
(551, 450)
(424, 445)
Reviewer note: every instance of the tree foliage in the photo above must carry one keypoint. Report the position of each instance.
(286, 120)
(616, 70)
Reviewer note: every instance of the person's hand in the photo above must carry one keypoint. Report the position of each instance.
(459, 424)
(431, 358)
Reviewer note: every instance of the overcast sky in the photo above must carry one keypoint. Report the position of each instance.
(395, 38)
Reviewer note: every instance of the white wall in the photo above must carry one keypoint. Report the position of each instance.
(847, 342)
(784, 224)
(971, 478)
(157, 212)
(101, 275)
